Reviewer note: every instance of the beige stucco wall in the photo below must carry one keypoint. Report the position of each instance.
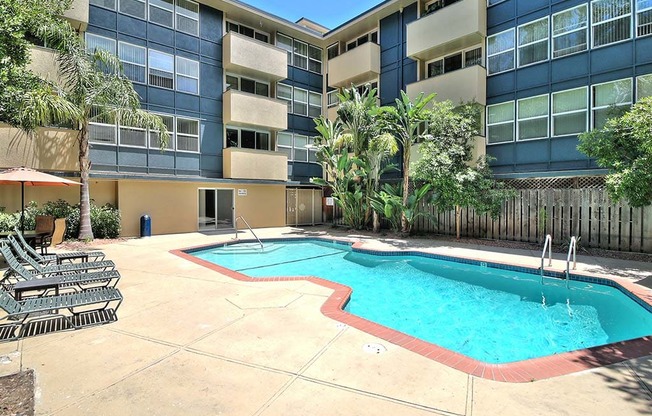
(245, 56)
(77, 15)
(463, 85)
(43, 62)
(47, 149)
(254, 164)
(243, 109)
(174, 206)
(355, 66)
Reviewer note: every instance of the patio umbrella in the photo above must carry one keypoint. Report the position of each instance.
(30, 177)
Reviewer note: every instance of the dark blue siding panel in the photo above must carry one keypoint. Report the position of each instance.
(211, 166)
(212, 138)
(188, 161)
(141, 89)
(187, 42)
(570, 67)
(128, 156)
(389, 56)
(501, 84)
(565, 148)
(102, 18)
(388, 86)
(161, 159)
(211, 108)
(160, 96)
(210, 85)
(535, 151)
(160, 34)
(612, 57)
(501, 13)
(644, 50)
(525, 7)
(532, 76)
(104, 155)
(210, 50)
(131, 25)
(210, 24)
(504, 154)
(188, 102)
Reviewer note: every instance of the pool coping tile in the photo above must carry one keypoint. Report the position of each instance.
(516, 372)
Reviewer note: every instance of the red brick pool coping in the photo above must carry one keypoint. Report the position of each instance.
(516, 372)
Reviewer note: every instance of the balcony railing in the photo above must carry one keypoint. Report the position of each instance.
(355, 66)
(454, 27)
(244, 109)
(242, 163)
(463, 85)
(243, 55)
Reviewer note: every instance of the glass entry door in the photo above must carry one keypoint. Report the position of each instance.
(215, 209)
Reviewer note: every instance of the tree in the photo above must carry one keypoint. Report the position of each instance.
(446, 163)
(624, 146)
(406, 121)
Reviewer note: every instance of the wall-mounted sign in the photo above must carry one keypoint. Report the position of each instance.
(329, 201)
(242, 192)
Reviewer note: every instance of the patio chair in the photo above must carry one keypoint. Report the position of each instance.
(44, 229)
(58, 258)
(18, 273)
(85, 308)
(23, 256)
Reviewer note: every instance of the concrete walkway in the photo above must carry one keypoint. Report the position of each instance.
(192, 342)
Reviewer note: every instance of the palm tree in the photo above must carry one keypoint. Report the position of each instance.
(95, 88)
(406, 121)
(381, 148)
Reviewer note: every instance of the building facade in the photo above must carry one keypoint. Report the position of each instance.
(238, 89)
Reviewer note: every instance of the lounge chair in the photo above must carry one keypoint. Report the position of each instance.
(57, 258)
(18, 273)
(85, 308)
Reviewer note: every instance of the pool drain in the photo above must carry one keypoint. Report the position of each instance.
(373, 348)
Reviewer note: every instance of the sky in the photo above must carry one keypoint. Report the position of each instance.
(329, 13)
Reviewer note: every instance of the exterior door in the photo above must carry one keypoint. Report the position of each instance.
(215, 209)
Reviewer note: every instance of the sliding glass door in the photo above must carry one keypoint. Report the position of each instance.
(215, 209)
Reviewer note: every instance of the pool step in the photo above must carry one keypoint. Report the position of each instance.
(246, 248)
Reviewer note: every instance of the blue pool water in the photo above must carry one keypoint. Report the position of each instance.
(493, 315)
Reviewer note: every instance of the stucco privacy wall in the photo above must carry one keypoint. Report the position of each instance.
(47, 149)
(173, 206)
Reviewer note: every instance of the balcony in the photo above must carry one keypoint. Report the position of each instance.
(77, 15)
(462, 85)
(454, 27)
(243, 55)
(355, 66)
(244, 109)
(44, 63)
(242, 163)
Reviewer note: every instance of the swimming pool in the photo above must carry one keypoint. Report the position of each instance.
(491, 314)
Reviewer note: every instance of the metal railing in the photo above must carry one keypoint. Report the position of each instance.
(547, 244)
(572, 249)
(250, 229)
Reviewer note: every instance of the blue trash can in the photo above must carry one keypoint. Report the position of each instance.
(145, 226)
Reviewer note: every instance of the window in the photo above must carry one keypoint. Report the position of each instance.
(134, 8)
(162, 12)
(133, 136)
(161, 69)
(333, 100)
(643, 86)
(248, 139)
(570, 31)
(285, 42)
(109, 4)
(154, 139)
(500, 52)
(500, 123)
(100, 128)
(366, 87)
(187, 135)
(187, 75)
(284, 92)
(533, 42)
(247, 31)
(532, 115)
(611, 21)
(187, 16)
(473, 57)
(569, 112)
(435, 5)
(333, 51)
(134, 61)
(643, 17)
(300, 54)
(314, 104)
(284, 144)
(454, 62)
(610, 99)
(300, 102)
(300, 151)
(247, 85)
(367, 37)
(296, 147)
(435, 68)
(314, 59)
(94, 42)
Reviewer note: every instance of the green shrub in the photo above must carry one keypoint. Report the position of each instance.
(105, 221)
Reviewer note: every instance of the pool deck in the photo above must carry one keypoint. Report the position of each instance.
(190, 340)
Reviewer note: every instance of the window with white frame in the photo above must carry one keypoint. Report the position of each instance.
(610, 99)
(300, 54)
(101, 129)
(500, 52)
(134, 61)
(570, 31)
(248, 139)
(109, 4)
(297, 147)
(532, 116)
(286, 43)
(284, 144)
(187, 16)
(333, 51)
(161, 69)
(134, 8)
(643, 17)
(247, 31)
(533, 42)
(314, 59)
(284, 92)
(500, 122)
(300, 102)
(132, 136)
(570, 111)
(154, 136)
(187, 75)
(94, 42)
(187, 135)
(610, 21)
(454, 62)
(314, 104)
(162, 12)
(333, 99)
(643, 86)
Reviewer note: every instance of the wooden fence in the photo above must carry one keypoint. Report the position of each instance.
(562, 213)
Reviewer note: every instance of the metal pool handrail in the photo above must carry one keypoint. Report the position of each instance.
(547, 244)
(248, 226)
(572, 249)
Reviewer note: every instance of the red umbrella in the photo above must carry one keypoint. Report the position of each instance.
(31, 177)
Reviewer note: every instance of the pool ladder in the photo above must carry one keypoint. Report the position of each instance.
(572, 250)
(546, 245)
(248, 226)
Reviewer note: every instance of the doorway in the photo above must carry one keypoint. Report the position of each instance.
(216, 209)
